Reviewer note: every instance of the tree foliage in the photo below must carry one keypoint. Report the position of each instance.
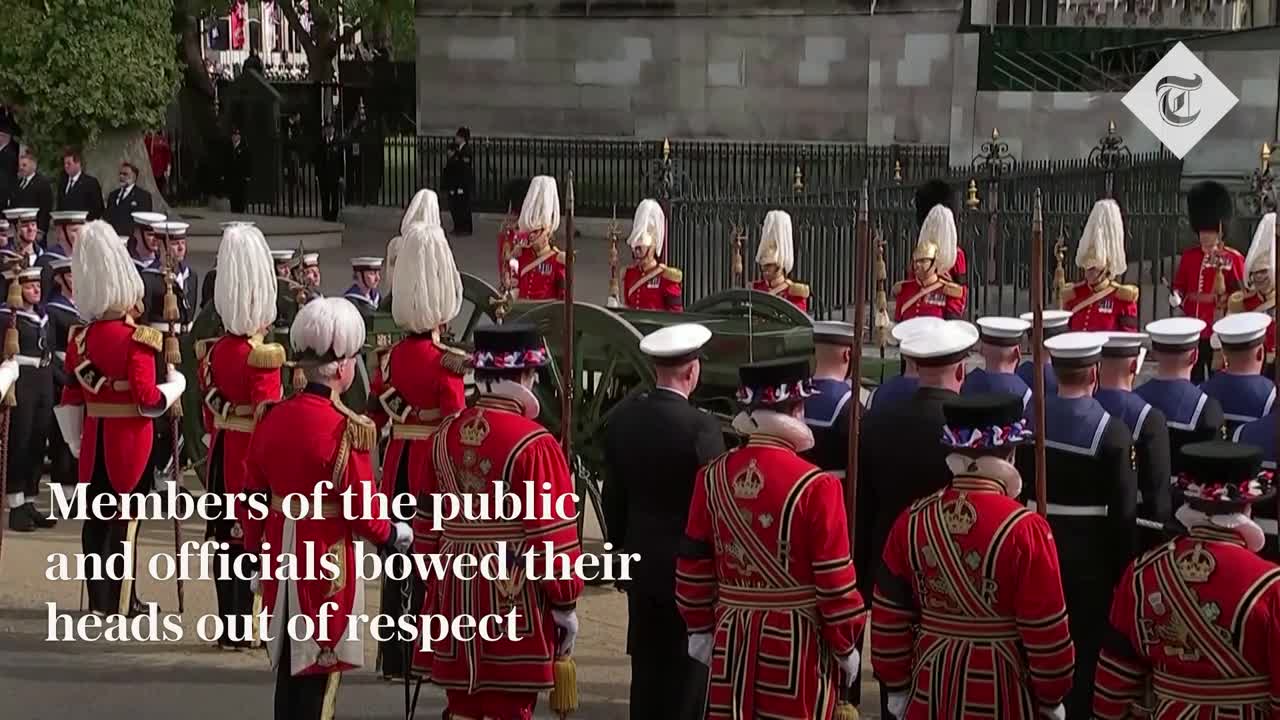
(76, 69)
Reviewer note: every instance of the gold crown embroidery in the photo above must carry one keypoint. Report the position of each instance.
(959, 516)
(474, 431)
(748, 483)
(1196, 565)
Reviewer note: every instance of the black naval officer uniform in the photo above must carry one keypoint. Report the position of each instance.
(1244, 398)
(979, 381)
(30, 419)
(654, 445)
(1191, 415)
(1092, 496)
(1150, 434)
(62, 313)
(186, 288)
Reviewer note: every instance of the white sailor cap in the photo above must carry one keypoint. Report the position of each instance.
(829, 332)
(913, 326)
(675, 344)
(21, 214)
(1242, 330)
(366, 263)
(4, 224)
(1175, 334)
(172, 229)
(1055, 321)
(310, 259)
(1075, 349)
(281, 256)
(1005, 331)
(944, 344)
(148, 219)
(1123, 344)
(69, 216)
(58, 266)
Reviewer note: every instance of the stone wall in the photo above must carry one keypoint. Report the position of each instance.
(882, 78)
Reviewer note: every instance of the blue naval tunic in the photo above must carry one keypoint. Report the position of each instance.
(822, 413)
(981, 381)
(894, 391)
(371, 299)
(1261, 433)
(1180, 400)
(1244, 398)
(1026, 371)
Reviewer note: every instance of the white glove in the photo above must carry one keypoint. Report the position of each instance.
(896, 704)
(255, 583)
(1175, 299)
(612, 302)
(71, 423)
(8, 374)
(567, 622)
(1057, 712)
(205, 439)
(700, 647)
(172, 388)
(850, 668)
(403, 537)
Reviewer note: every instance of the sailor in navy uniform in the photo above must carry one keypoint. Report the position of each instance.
(1122, 358)
(898, 389)
(62, 313)
(363, 293)
(186, 289)
(1056, 322)
(1191, 415)
(30, 419)
(1262, 434)
(23, 249)
(827, 413)
(144, 245)
(1000, 337)
(1092, 496)
(1244, 393)
(66, 224)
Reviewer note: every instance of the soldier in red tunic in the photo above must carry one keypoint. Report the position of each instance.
(499, 441)
(1195, 623)
(107, 410)
(238, 373)
(1259, 293)
(1195, 287)
(1098, 303)
(327, 336)
(928, 293)
(933, 193)
(417, 384)
(776, 256)
(649, 284)
(539, 267)
(764, 579)
(969, 617)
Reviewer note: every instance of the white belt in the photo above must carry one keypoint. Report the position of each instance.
(1268, 525)
(178, 328)
(1072, 510)
(28, 361)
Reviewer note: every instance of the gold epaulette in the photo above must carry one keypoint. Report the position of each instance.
(384, 362)
(361, 433)
(1126, 293)
(560, 256)
(453, 359)
(267, 356)
(262, 409)
(673, 274)
(203, 347)
(149, 336)
(799, 290)
(897, 287)
(1235, 303)
(952, 290)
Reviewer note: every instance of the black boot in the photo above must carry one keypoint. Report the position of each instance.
(20, 520)
(38, 518)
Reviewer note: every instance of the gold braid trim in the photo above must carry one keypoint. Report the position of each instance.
(149, 336)
(262, 409)
(267, 356)
(453, 359)
(204, 346)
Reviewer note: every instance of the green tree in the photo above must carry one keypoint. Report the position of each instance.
(89, 73)
(334, 23)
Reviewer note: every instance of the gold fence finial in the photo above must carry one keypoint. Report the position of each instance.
(1266, 156)
(798, 185)
(666, 149)
(995, 134)
(897, 171)
(1111, 127)
(971, 195)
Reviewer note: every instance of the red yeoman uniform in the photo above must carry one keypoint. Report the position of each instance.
(1197, 620)
(764, 578)
(498, 440)
(540, 267)
(968, 616)
(648, 284)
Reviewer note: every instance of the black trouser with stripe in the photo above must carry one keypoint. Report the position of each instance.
(235, 598)
(300, 697)
(104, 537)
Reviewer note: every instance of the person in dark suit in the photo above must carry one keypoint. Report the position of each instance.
(33, 191)
(126, 200)
(8, 163)
(654, 445)
(900, 458)
(239, 170)
(77, 189)
(459, 181)
(329, 168)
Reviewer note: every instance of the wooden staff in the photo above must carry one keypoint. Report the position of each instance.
(860, 256)
(564, 692)
(11, 348)
(173, 356)
(1037, 347)
(1275, 329)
